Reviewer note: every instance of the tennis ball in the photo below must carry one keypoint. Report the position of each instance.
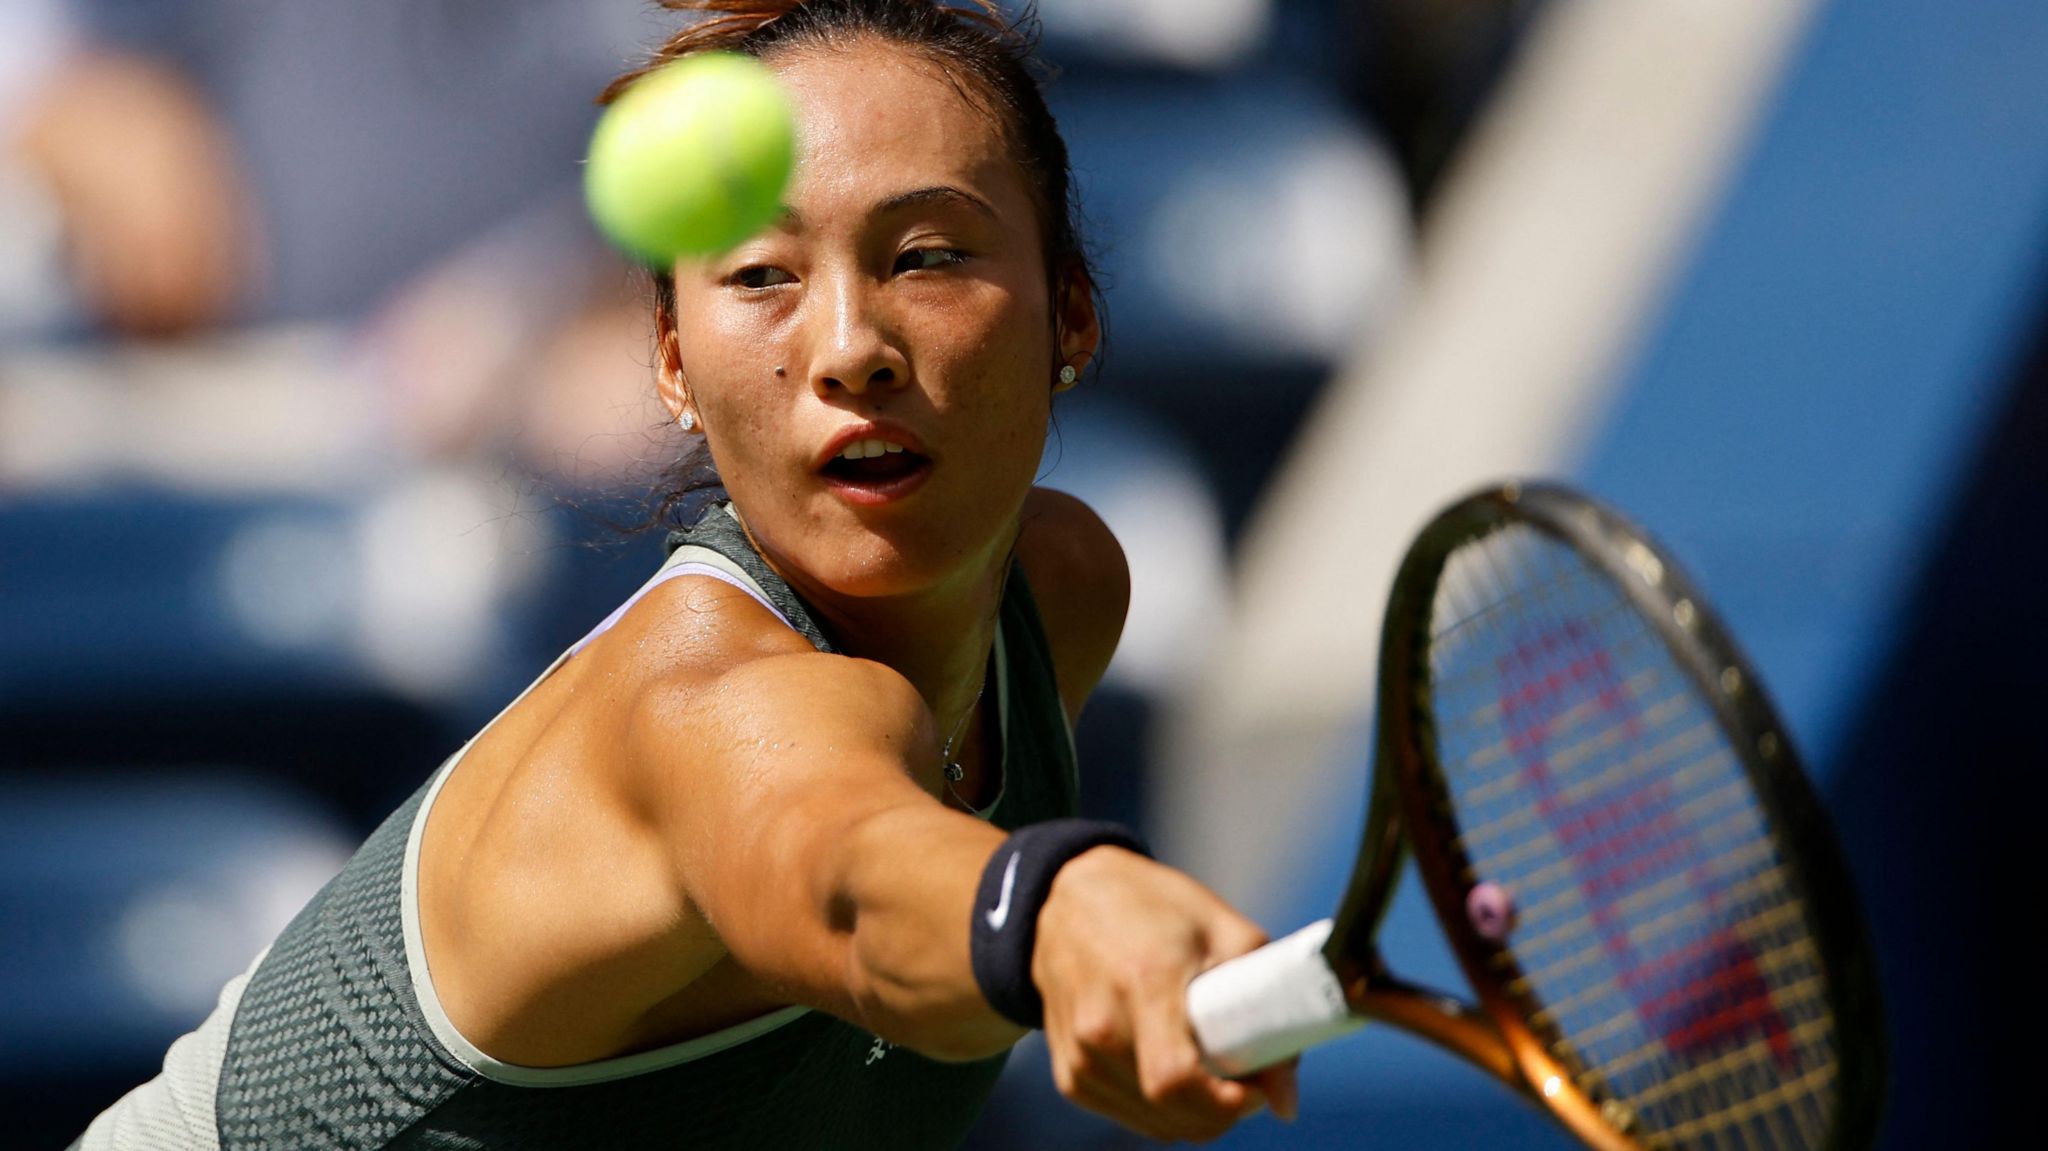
(691, 159)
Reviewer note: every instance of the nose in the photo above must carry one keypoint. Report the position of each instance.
(853, 350)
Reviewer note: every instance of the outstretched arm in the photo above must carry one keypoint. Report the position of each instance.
(804, 841)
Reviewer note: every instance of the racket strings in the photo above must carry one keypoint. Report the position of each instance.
(1658, 940)
(1668, 1004)
(1782, 961)
(1654, 913)
(1592, 954)
(1582, 885)
(1637, 687)
(1646, 763)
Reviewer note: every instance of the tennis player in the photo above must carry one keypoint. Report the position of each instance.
(782, 855)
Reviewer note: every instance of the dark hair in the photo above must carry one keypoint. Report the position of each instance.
(990, 60)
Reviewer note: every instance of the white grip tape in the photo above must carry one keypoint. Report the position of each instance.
(1259, 1009)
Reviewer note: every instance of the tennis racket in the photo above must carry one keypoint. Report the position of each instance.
(1617, 839)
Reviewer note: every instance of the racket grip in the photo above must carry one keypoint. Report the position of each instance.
(1268, 1006)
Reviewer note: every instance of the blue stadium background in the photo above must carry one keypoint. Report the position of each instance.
(1837, 416)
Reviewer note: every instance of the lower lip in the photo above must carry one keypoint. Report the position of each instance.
(870, 495)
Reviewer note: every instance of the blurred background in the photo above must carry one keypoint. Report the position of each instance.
(321, 408)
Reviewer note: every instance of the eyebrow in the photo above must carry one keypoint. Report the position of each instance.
(939, 195)
(936, 196)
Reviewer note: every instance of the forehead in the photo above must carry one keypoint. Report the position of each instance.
(875, 119)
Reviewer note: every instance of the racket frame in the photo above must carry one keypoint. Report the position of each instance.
(1370, 989)
(1409, 812)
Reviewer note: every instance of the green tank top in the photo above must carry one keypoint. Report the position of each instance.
(330, 1045)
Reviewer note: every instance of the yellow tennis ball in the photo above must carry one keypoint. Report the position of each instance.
(691, 159)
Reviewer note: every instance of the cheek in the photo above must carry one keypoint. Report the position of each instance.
(737, 426)
(1005, 391)
(726, 346)
(1011, 419)
(1006, 355)
(728, 364)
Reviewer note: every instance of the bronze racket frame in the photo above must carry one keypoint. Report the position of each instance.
(1409, 809)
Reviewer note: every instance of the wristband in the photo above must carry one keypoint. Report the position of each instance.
(1013, 887)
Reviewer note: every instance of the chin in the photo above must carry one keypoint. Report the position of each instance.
(885, 553)
(884, 562)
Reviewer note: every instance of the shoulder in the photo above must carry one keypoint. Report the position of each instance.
(841, 700)
(626, 811)
(715, 672)
(698, 651)
(1081, 583)
(690, 631)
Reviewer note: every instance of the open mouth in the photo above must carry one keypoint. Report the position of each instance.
(876, 469)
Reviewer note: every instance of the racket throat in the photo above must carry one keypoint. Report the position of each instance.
(1440, 1018)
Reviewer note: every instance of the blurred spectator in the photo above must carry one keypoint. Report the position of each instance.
(411, 172)
(528, 346)
(118, 179)
(381, 135)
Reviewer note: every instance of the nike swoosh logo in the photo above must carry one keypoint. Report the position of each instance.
(1001, 914)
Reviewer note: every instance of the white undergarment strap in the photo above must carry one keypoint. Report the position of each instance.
(687, 561)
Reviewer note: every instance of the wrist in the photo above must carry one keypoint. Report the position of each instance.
(1015, 885)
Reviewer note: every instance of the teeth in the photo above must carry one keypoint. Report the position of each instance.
(868, 449)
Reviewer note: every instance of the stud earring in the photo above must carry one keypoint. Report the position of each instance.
(1068, 375)
(688, 420)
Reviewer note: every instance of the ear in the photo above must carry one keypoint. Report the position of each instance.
(1075, 318)
(668, 371)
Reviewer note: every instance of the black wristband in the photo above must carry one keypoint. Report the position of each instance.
(1013, 887)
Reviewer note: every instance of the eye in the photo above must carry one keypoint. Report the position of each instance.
(758, 276)
(928, 259)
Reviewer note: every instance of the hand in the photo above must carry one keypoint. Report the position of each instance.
(1119, 939)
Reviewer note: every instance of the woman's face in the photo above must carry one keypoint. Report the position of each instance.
(903, 299)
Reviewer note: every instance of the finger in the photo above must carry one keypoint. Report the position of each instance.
(1126, 1108)
(1170, 1068)
(1104, 1079)
(1095, 1042)
(1092, 1077)
(1282, 1089)
(1111, 1090)
(1233, 936)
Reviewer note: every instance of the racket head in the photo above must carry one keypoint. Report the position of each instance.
(1618, 839)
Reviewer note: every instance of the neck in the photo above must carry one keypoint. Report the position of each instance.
(938, 638)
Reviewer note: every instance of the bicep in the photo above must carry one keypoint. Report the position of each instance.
(791, 763)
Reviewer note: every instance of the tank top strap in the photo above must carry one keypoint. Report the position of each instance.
(719, 532)
(1041, 775)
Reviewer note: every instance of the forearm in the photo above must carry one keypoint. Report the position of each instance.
(901, 888)
(856, 903)
(909, 964)
(818, 861)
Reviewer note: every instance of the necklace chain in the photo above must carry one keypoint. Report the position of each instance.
(954, 772)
